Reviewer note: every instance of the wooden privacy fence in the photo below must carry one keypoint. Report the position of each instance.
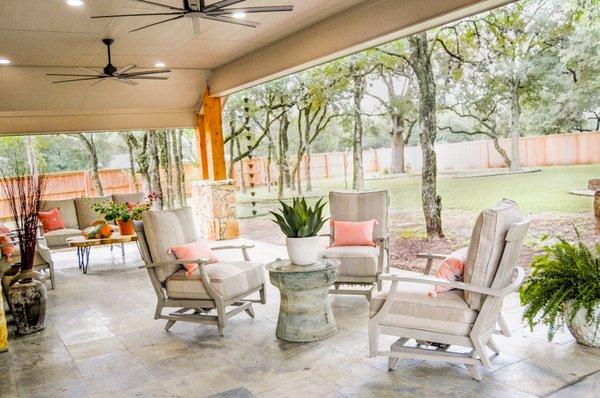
(544, 150)
(79, 184)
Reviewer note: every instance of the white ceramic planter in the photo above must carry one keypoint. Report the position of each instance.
(583, 332)
(303, 251)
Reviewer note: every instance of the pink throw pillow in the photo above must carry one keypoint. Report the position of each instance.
(353, 233)
(452, 269)
(193, 250)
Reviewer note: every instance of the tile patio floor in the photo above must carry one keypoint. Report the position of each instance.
(100, 340)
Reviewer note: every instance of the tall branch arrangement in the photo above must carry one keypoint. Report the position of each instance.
(23, 193)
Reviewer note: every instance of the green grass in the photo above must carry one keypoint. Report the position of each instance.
(545, 191)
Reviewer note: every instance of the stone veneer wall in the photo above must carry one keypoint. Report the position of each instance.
(214, 204)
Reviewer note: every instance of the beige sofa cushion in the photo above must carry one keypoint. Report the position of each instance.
(487, 245)
(67, 210)
(58, 238)
(162, 230)
(413, 308)
(85, 214)
(355, 260)
(230, 279)
(187, 223)
(137, 197)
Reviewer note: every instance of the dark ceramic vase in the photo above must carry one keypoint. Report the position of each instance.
(27, 297)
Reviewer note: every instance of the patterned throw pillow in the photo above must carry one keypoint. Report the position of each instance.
(51, 220)
(452, 269)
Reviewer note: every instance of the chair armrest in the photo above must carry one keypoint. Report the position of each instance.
(199, 261)
(432, 280)
(228, 247)
(244, 249)
(432, 256)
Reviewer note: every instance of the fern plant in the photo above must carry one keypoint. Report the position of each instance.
(300, 220)
(564, 273)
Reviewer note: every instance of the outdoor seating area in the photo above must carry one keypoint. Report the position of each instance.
(324, 198)
(101, 339)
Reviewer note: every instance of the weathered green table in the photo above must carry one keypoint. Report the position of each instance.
(305, 311)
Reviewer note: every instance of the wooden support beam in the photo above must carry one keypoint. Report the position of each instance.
(213, 149)
(201, 147)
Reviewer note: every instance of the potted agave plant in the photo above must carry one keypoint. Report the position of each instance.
(564, 288)
(26, 293)
(301, 225)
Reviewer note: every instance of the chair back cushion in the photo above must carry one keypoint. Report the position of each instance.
(185, 216)
(487, 246)
(85, 214)
(162, 230)
(67, 211)
(361, 206)
(137, 197)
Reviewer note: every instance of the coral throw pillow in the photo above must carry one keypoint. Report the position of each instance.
(193, 250)
(353, 233)
(452, 269)
(7, 249)
(51, 220)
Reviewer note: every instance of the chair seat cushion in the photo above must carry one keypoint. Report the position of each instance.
(58, 238)
(413, 308)
(230, 279)
(355, 260)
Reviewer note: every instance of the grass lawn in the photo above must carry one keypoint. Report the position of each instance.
(545, 191)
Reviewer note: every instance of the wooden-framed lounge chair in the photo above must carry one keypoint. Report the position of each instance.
(205, 296)
(360, 265)
(465, 316)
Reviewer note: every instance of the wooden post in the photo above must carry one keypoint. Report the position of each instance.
(213, 137)
(201, 147)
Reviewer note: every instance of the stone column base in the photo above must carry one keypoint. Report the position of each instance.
(214, 205)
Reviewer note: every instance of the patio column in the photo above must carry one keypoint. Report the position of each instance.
(213, 197)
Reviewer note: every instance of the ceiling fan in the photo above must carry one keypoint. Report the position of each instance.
(196, 9)
(110, 72)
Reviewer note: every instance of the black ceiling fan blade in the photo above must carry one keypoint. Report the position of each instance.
(156, 23)
(147, 77)
(160, 5)
(78, 80)
(230, 20)
(249, 10)
(135, 15)
(145, 72)
(70, 74)
(221, 4)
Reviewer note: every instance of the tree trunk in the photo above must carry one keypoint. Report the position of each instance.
(282, 160)
(180, 167)
(242, 178)
(129, 140)
(91, 149)
(358, 181)
(31, 160)
(177, 200)
(231, 148)
(164, 168)
(154, 168)
(515, 114)
(269, 161)
(397, 162)
(142, 161)
(285, 143)
(502, 152)
(431, 201)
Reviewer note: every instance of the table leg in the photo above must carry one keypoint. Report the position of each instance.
(83, 258)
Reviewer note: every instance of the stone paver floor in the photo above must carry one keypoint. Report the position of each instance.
(101, 341)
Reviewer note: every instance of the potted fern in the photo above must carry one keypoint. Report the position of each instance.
(564, 287)
(301, 225)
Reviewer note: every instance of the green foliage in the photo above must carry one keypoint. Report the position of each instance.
(566, 272)
(120, 211)
(300, 220)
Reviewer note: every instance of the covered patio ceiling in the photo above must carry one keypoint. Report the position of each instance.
(40, 37)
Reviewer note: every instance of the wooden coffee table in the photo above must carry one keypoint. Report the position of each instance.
(84, 246)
